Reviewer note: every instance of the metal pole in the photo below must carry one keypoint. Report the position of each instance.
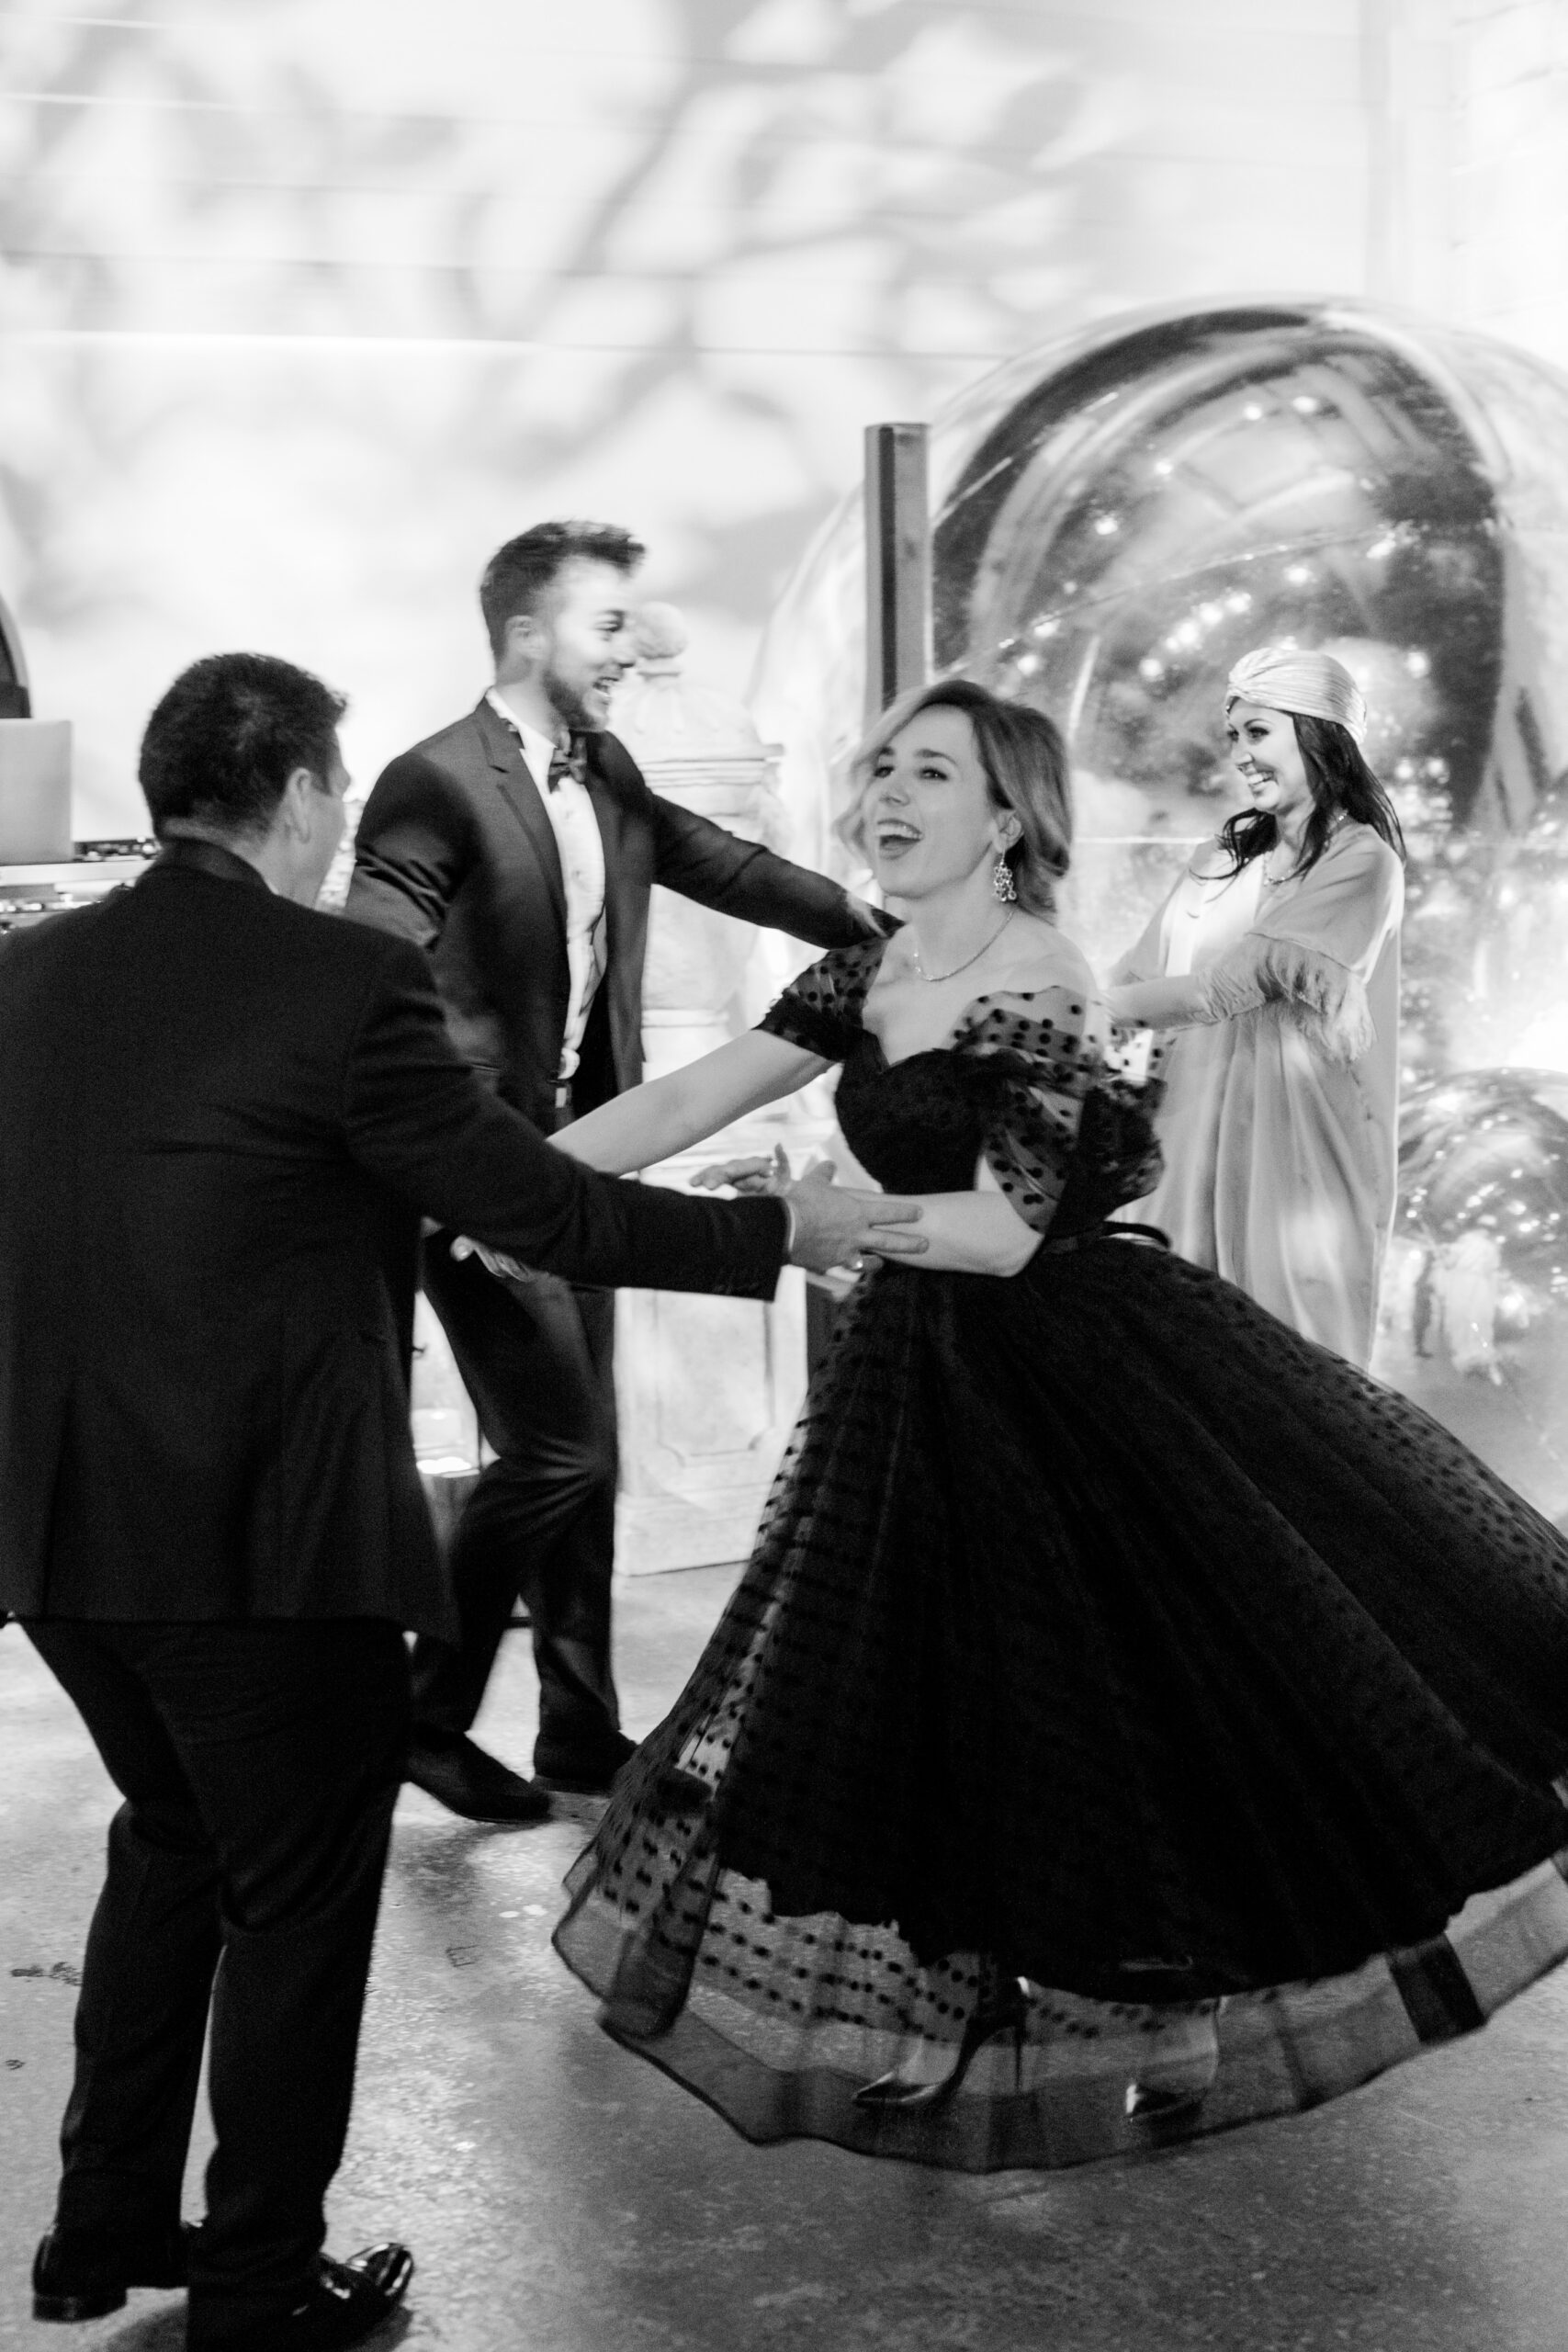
(898, 564)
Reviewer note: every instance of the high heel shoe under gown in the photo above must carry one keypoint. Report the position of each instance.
(1104, 1636)
(1000, 2014)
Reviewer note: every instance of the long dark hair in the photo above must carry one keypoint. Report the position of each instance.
(1342, 786)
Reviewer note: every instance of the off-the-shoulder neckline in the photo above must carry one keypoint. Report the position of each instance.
(1084, 999)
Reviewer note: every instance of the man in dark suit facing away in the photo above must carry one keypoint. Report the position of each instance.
(225, 1115)
(519, 846)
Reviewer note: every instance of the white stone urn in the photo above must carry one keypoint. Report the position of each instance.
(700, 749)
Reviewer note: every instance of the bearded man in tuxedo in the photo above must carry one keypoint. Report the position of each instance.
(225, 1115)
(518, 847)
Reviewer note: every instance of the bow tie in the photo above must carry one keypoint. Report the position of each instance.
(568, 759)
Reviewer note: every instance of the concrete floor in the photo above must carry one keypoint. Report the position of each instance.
(562, 2197)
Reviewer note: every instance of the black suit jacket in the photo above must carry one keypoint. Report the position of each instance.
(221, 1116)
(455, 853)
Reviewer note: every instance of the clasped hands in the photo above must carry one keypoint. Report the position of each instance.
(833, 1225)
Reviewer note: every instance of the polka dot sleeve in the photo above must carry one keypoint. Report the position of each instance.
(1052, 1053)
(820, 1009)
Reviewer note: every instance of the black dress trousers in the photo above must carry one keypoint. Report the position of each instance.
(537, 1357)
(259, 1762)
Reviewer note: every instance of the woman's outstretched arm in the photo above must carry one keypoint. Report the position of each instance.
(1175, 1003)
(1312, 951)
(973, 1233)
(668, 1115)
(964, 1233)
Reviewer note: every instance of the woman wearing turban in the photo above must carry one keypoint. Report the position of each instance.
(1276, 959)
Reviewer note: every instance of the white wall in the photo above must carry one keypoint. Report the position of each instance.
(1511, 164)
(311, 302)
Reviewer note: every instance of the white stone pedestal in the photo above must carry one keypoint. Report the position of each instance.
(707, 1389)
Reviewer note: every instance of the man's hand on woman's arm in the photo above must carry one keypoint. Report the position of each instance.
(977, 1232)
(834, 1226)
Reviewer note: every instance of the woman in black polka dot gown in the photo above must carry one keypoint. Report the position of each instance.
(1133, 1719)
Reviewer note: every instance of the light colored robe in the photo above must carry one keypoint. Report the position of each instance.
(1279, 1125)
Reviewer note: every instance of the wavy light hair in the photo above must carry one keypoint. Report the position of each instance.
(1024, 760)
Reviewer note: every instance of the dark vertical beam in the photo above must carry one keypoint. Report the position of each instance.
(14, 700)
(898, 564)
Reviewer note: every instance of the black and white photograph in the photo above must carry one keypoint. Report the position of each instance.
(783, 1175)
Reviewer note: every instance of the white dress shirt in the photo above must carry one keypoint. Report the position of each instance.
(570, 809)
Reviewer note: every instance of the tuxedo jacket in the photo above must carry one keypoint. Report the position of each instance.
(454, 852)
(221, 1117)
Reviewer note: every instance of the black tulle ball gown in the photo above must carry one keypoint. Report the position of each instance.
(1114, 1667)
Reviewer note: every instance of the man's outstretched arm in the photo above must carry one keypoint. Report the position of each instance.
(416, 1117)
(741, 878)
(413, 846)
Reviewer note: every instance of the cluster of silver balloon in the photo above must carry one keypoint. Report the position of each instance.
(1120, 515)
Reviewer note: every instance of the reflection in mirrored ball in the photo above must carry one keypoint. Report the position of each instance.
(1117, 517)
(1474, 1313)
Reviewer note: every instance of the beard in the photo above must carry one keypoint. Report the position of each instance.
(565, 701)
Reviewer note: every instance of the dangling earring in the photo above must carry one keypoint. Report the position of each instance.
(1003, 887)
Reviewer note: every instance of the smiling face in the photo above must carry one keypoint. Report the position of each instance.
(578, 647)
(927, 809)
(1268, 758)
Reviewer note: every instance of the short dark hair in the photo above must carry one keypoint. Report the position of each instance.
(227, 735)
(520, 575)
(1025, 763)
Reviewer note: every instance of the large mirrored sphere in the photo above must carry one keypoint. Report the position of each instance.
(1119, 516)
(1180, 492)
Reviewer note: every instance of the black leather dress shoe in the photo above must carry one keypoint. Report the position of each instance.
(345, 2303)
(449, 1768)
(83, 2274)
(593, 1773)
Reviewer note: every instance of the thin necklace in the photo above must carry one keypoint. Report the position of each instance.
(931, 979)
(1292, 873)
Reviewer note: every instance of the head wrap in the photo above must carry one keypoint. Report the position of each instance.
(1314, 684)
